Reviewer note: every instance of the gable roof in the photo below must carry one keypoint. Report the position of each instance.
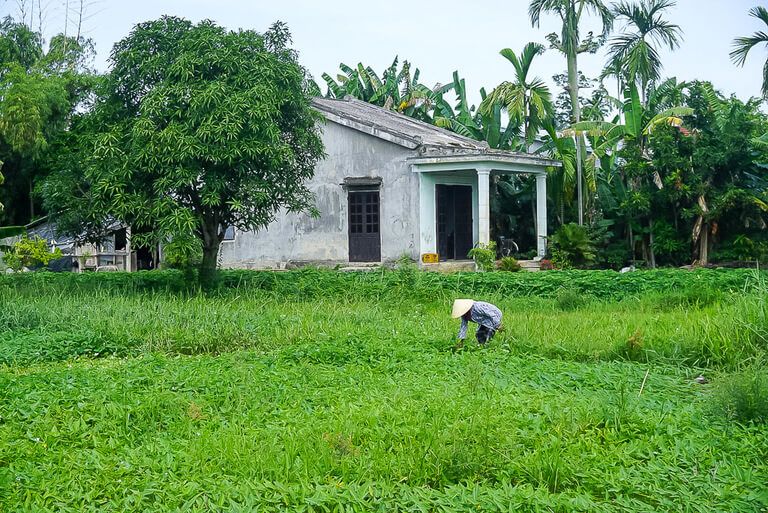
(391, 126)
(431, 141)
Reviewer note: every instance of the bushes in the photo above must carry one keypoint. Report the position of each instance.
(509, 264)
(484, 256)
(743, 397)
(30, 253)
(572, 246)
(603, 285)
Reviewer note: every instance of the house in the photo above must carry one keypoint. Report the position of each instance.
(390, 186)
(113, 252)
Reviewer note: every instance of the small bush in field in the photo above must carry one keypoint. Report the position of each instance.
(569, 299)
(28, 252)
(484, 256)
(509, 264)
(743, 397)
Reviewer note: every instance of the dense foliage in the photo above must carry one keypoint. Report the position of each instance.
(40, 92)
(29, 253)
(196, 129)
(643, 202)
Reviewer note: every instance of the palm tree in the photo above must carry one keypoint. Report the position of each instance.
(571, 45)
(645, 29)
(528, 102)
(639, 122)
(742, 45)
(464, 119)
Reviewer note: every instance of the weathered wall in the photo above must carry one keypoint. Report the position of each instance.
(298, 238)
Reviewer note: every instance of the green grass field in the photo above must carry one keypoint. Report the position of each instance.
(316, 391)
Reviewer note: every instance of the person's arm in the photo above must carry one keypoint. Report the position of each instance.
(463, 329)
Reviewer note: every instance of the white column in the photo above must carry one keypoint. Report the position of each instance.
(128, 249)
(427, 226)
(484, 205)
(541, 215)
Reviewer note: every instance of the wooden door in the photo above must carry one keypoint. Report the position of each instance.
(364, 226)
(454, 221)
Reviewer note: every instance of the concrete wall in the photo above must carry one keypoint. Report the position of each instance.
(297, 238)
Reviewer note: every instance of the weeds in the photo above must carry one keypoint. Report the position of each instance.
(569, 299)
(743, 397)
(257, 398)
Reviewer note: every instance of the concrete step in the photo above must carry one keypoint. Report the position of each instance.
(530, 265)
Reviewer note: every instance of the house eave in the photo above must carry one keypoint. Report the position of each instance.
(514, 163)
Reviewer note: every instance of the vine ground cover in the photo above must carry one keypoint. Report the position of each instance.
(273, 396)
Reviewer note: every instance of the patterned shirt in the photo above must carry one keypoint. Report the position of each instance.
(484, 314)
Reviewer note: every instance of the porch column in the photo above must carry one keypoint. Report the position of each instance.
(541, 215)
(483, 205)
(128, 249)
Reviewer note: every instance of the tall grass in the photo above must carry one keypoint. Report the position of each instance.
(690, 326)
(315, 391)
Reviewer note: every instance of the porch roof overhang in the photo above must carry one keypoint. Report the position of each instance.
(494, 160)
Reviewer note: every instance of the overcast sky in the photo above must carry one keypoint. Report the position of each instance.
(436, 37)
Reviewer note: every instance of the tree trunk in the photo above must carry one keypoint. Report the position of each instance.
(211, 240)
(651, 252)
(704, 245)
(573, 91)
(31, 202)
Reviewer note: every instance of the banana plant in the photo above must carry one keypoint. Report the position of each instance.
(464, 119)
(397, 89)
(637, 126)
(561, 180)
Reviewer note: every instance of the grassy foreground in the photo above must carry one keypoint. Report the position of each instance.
(350, 398)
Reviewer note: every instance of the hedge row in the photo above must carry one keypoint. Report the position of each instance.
(308, 283)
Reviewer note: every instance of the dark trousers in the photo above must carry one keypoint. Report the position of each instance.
(484, 334)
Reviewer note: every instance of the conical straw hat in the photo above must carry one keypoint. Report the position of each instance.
(460, 307)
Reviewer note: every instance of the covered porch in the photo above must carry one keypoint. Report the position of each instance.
(454, 199)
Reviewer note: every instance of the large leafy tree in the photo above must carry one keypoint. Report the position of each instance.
(725, 188)
(743, 45)
(39, 93)
(571, 43)
(527, 100)
(635, 49)
(197, 129)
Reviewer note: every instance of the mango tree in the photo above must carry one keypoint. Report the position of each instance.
(197, 129)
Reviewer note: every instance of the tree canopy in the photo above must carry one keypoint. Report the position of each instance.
(40, 92)
(197, 129)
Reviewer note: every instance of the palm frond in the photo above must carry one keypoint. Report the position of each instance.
(742, 46)
(764, 89)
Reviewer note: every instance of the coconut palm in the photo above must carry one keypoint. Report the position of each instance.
(742, 45)
(571, 44)
(527, 101)
(637, 47)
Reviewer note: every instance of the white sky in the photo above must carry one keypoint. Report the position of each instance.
(436, 37)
